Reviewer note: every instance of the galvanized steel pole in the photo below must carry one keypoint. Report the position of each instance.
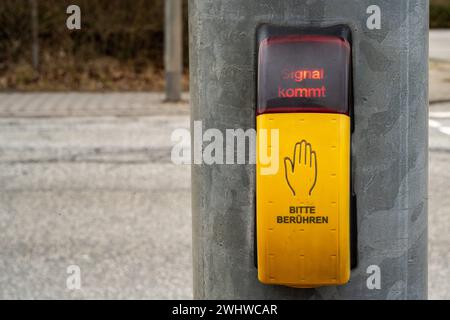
(390, 143)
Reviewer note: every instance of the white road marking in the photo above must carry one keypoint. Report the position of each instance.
(445, 130)
(435, 124)
(440, 114)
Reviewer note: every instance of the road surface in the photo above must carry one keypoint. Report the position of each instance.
(99, 193)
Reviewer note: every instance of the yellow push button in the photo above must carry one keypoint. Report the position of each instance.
(303, 204)
(303, 221)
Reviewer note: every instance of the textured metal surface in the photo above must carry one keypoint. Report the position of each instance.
(389, 144)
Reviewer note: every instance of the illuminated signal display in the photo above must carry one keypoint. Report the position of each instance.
(306, 73)
(302, 92)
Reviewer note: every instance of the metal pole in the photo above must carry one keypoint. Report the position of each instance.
(35, 33)
(389, 145)
(173, 49)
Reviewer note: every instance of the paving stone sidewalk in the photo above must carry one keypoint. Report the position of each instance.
(73, 104)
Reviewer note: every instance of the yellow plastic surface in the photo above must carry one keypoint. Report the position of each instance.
(303, 210)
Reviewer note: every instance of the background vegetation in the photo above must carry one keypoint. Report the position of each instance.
(440, 13)
(120, 46)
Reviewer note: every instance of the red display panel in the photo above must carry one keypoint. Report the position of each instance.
(304, 73)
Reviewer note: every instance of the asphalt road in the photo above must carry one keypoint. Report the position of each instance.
(439, 166)
(99, 193)
(439, 203)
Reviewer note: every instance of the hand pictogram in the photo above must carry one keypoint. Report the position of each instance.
(301, 169)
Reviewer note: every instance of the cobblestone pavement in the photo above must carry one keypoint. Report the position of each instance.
(130, 104)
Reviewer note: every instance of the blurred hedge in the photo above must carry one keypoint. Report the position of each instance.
(440, 13)
(126, 35)
(120, 46)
